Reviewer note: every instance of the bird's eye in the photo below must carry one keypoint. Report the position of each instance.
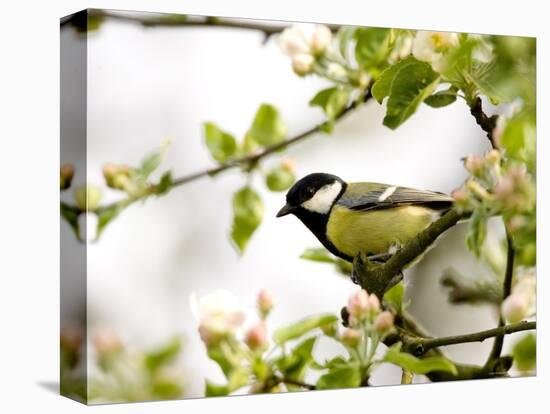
(310, 191)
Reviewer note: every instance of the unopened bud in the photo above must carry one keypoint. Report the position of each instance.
(460, 196)
(256, 338)
(374, 304)
(66, 174)
(87, 197)
(358, 303)
(302, 64)
(493, 157)
(288, 164)
(320, 39)
(265, 302)
(384, 322)
(351, 337)
(515, 307)
(105, 340)
(474, 164)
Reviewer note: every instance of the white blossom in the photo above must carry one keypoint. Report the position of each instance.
(431, 47)
(293, 41)
(320, 39)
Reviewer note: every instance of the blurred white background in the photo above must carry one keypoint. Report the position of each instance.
(148, 84)
(30, 263)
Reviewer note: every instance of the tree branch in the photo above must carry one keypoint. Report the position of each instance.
(378, 278)
(487, 123)
(184, 21)
(420, 346)
(297, 383)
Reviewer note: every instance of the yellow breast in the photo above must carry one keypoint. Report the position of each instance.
(374, 232)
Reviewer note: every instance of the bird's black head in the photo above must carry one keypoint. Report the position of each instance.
(315, 193)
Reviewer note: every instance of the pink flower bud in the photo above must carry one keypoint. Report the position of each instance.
(351, 337)
(358, 303)
(109, 170)
(66, 174)
(374, 303)
(515, 307)
(460, 196)
(106, 340)
(288, 164)
(384, 322)
(474, 164)
(265, 302)
(256, 338)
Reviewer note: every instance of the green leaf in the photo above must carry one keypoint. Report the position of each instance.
(318, 254)
(331, 363)
(221, 357)
(238, 378)
(107, 214)
(322, 255)
(519, 139)
(332, 101)
(279, 179)
(416, 365)
(215, 390)
(302, 327)
(293, 365)
(340, 377)
(164, 389)
(371, 49)
(477, 231)
(221, 144)
(70, 214)
(394, 297)
(165, 183)
(412, 84)
(382, 87)
(525, 353)
(441, 98)
(268, 127)
(163, 355)
(248, 211)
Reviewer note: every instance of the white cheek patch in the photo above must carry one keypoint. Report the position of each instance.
(323, 199)
(387, 192)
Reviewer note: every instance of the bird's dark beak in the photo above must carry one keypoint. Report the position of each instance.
(287, 209)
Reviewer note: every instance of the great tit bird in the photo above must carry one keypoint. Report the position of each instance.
(370, 218)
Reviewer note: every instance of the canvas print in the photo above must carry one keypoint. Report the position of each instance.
(254, 207)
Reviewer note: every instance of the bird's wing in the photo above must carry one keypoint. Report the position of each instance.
(374, 196)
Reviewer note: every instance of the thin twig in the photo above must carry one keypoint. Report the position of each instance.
(297, 383)
(420, 346)
(506, 289)
(254, 158)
